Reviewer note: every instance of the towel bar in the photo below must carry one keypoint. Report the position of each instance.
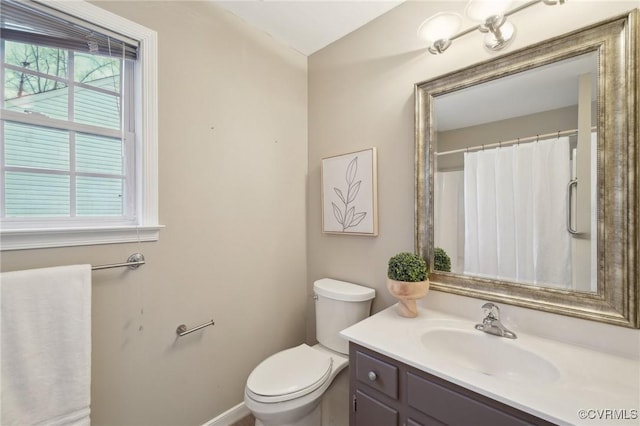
(133, 262)
(182, 329)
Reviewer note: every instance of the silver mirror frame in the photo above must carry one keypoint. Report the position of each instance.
(617, 299)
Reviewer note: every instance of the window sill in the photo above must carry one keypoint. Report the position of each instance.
(68, 237)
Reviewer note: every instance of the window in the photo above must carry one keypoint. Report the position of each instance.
(78, 141)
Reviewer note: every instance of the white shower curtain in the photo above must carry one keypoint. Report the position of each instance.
(448, 216)
(515, 213)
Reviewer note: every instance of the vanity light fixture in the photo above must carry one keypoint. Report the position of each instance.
(439, 29)
(442, 28)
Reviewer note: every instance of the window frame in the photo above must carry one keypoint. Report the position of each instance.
(25, 234)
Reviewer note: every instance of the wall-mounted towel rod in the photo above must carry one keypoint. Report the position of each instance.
(182, 329)
(133, 262)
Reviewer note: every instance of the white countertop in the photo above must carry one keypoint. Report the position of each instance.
(589, 380)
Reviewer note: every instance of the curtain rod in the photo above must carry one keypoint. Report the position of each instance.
(512, 141)
(133, 262)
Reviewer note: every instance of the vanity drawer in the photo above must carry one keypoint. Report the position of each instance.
(449, 406)
(377, 374)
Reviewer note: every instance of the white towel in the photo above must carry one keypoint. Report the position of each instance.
(46, 346)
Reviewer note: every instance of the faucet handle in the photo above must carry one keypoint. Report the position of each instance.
(491, 310)
(491, 323)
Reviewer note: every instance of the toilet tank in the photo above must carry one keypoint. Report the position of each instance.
(339, 305)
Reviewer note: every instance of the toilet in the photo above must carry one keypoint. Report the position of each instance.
(286, 389)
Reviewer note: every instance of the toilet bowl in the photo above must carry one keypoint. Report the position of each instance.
(286, 388)
(293, 400)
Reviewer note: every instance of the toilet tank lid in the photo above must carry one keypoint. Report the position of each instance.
(342, 290)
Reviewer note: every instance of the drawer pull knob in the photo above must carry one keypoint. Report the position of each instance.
(372, 376)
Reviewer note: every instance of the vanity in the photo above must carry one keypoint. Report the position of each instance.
(387, 392)
(438, 369)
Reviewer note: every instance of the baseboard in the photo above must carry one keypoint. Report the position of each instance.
(230, 416)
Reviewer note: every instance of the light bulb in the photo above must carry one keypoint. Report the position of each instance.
(441, 26)
(480, 10)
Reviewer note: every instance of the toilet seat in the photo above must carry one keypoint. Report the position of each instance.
(289, 374)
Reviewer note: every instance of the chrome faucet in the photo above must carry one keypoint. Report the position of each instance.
(491, 323)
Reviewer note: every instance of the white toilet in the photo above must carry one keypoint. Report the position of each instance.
(286, 389)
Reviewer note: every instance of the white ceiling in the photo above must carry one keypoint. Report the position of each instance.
(308, 25)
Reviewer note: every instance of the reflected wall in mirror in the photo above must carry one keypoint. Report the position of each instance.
(527, 176)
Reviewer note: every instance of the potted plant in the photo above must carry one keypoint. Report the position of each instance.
(441, 260)
(407, 281)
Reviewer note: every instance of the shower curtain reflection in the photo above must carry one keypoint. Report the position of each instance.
(515, 213)
(449, 215)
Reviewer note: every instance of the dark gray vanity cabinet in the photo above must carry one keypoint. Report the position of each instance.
(386, 392)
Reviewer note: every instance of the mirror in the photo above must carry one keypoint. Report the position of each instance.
(527, 176)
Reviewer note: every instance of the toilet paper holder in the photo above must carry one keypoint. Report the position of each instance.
(182, 328)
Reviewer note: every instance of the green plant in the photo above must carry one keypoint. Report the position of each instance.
(441, 260)
(407, 267)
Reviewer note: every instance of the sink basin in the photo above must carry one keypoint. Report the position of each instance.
(490, 355)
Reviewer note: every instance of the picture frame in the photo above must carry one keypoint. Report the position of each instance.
(350, 193)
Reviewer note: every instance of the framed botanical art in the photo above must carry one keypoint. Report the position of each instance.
(350, 193)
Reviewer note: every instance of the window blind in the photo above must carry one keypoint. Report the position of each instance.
(31, 22)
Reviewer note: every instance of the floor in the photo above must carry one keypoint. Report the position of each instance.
(245, 421)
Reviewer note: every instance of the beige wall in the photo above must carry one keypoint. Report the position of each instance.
(361, 95)
(233, 162)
